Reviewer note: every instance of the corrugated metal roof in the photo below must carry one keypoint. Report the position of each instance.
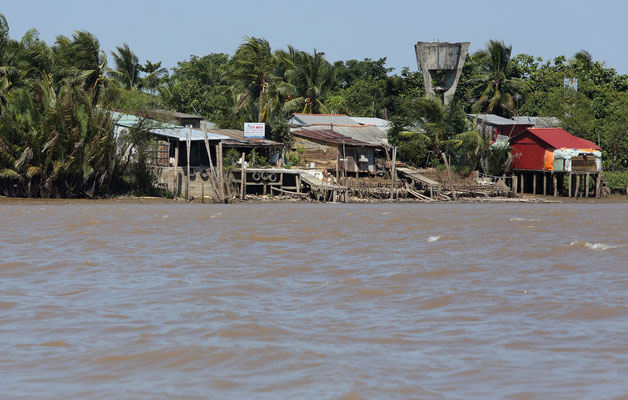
(364, 133)
(329, 136)
(382, 124)
(494, 119)
(162, 128)
(324, 119)
(237, 137)
(560, 139)
(541, 122)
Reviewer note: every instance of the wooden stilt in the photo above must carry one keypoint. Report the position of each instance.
(598, 184)
(577, 186)
(555, 184)
(393, 173)
(187, 181)
(534, 183)
(569, 183)
(220, 171)
(545, 183)
(586, 186)
(523, 183)
(175, 191)
(242, 179)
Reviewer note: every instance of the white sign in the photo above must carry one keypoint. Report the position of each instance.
(571, 82)
(254, 130)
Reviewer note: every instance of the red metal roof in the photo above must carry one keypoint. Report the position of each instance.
(329, 136)
(560, 139)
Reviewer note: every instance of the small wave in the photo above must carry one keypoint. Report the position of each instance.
(524, 219)
(433, 238)
(593, 246)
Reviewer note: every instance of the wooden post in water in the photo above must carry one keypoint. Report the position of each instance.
(393, 173)
(202, 190)
(242, 179)
(220, 172)
(344, 162)
(598, 184)
(577, 186)
(555, 183)
(337, 166)
(451, 184)
(523, 182)
(545, 183)
(188, 144)
(513, 183)
(534, 183)
(175, 192)
(586, 186)
(569, 183)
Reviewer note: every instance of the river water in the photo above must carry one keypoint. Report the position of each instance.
(332, 301)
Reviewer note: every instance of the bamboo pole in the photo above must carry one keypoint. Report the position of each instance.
(393, 173)
(188, 144)
(220, 172)
(451, 185)
(242, 178)
(176, 170)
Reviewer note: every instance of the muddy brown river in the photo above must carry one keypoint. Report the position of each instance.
(318, 301)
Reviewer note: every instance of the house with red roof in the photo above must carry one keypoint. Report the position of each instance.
(543, 152)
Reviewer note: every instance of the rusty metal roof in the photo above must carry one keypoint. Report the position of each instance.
(329, 136)
(237, 138)
(364, 133)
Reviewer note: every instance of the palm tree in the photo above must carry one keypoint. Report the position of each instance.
(493, 81)
(311, 76)
(253, 74)
(81, 58)
(127, 71)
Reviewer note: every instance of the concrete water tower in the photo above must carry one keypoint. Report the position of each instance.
(441, 56)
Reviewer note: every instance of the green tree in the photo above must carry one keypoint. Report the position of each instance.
(253, 72)
(493, 81)
(310, 76)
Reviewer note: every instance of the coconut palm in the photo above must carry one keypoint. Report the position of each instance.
(584, 59)
(81, 58)
(310, 76)
(127, 71)
(253, 75)
(492, 80)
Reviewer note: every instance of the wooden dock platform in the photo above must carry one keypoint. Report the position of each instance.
(422, 181)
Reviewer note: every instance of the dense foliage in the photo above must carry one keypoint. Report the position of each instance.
(56, 136)
(56, 127)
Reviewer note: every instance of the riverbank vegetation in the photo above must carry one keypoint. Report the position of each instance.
(56, 132)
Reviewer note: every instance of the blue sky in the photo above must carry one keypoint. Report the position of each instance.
(171, 31)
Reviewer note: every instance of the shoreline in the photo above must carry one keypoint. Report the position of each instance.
(527, 199)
